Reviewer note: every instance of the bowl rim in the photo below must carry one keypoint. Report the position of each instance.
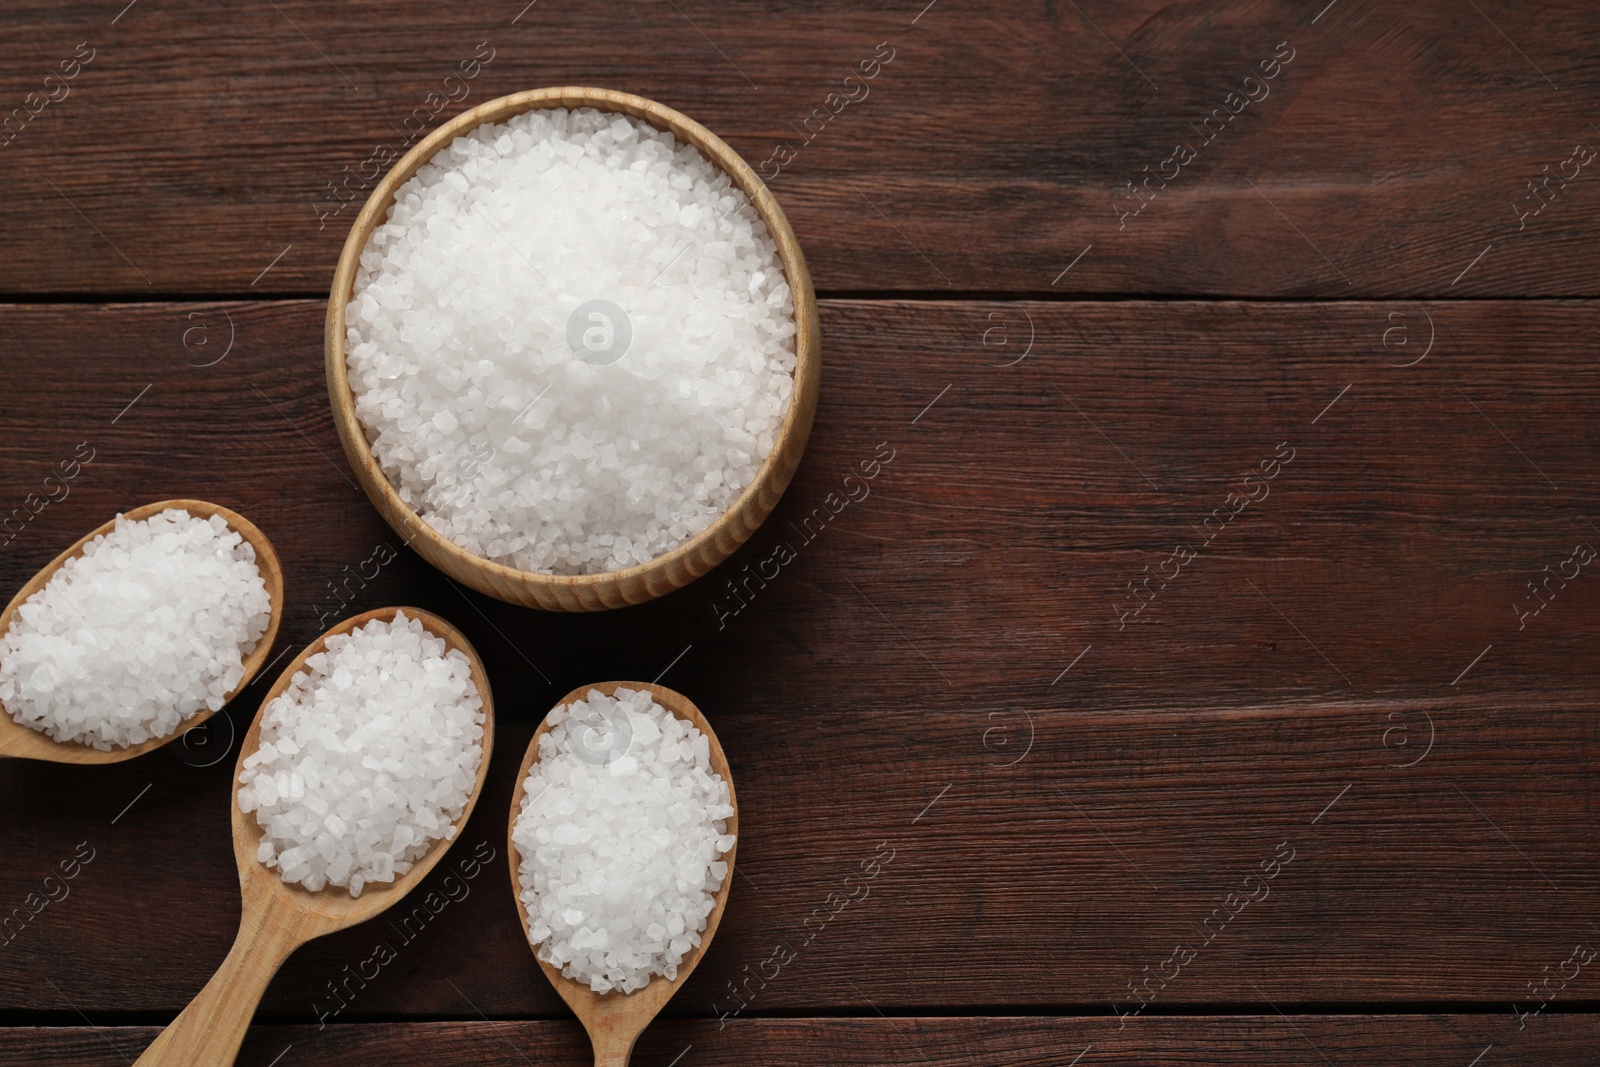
(808, 358)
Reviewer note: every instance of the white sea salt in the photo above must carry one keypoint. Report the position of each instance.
(572, 343)
(149, 624)
(621, 835)
(367, 758)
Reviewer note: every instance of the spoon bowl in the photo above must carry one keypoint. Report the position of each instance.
(27, 743)
(280, 917)
(614, 1021)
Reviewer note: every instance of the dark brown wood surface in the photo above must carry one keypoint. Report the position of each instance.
(1266, 1040)
(196, 147)
(1082, 825)
(1063, 717)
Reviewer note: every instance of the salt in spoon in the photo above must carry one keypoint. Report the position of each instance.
(279, 917)
(27, 743)
(615, 1020)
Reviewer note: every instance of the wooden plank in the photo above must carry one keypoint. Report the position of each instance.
(1119, 846)
(993, 144)
(1020, 501)
(903, 676)
(1266, 1040)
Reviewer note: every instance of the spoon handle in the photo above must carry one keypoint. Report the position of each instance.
(612, 1054)
(613, 1033)
(210, 1030)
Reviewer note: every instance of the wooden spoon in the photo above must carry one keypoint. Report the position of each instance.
(28, 743)
(615, 1020)
(279, 917)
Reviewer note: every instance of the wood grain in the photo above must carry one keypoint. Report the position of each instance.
(1063, 878)
(892, 674)
(1212, 681)
(198, 152)
(1020, 501)
(1265, 1040)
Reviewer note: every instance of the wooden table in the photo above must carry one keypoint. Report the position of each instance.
(1210, 674)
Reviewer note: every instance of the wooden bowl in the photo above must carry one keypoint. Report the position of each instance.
(688, 561)
(615, 1020)
(28, 743)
